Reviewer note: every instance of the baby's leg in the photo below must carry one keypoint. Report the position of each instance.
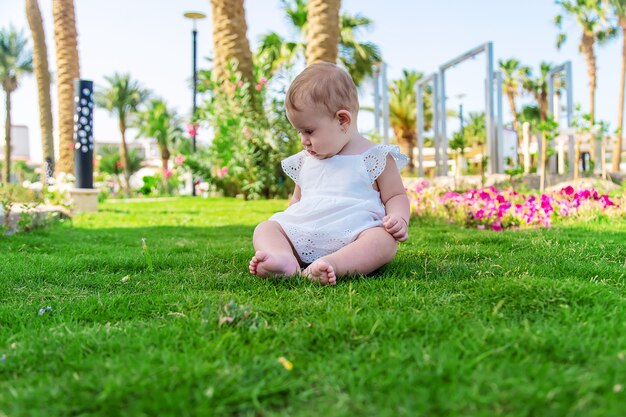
(372, 249)
(274, 254)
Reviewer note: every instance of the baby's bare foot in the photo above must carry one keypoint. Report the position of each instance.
(264, 264)
(322, 271)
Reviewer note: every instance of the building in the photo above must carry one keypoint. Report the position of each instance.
(20, 147)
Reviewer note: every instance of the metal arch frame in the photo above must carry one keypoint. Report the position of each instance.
(566, 68)
(380, 77)
(419, 93)
(493, 151)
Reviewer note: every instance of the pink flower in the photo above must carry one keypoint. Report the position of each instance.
(240, 84)
(568, 190)
(246, 132)
(262, 80)
(496, 227)
(222, 172)
(179, 159)
(484, 195)
(168, 173)
(258, 87)
(192, 129)
(480, 214)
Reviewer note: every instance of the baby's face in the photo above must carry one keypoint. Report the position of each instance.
(321, 135)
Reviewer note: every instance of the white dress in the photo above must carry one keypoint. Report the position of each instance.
(338, 200)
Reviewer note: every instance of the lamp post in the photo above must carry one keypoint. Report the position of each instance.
(194, 33)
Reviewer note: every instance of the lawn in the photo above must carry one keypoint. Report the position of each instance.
(463, 322)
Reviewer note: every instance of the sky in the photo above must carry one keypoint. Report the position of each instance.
(151, 40)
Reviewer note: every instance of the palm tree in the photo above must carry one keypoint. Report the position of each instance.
(40, 61)
(357, 57)
(121, 98)
(68, 70)
(16, 60)
(402, 115)
(538, 87)
(162, 124)
(475, 134)
(513, 75)
(230, 42)
(322, 35)
(619, 9)
(589, 15)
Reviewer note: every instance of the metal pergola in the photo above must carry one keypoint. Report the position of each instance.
(437, 80)
(566, 70)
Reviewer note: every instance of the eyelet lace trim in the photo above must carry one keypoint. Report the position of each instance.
(376, 158)
(307, 245)
(292, 166)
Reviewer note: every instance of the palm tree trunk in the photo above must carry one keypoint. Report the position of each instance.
(124, 159)
(65, 38)
(406, 142)
(229, 38)
(165, 159)
(6, 168)
(40, 63)
(322, 37)
(617, 150)
(590, 58)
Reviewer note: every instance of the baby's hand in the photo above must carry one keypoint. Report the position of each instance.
(396, 226)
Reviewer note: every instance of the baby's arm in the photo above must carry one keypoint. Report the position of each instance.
(296, 195)
(393, 196)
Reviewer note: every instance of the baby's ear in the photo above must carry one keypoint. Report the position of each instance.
(344, 117)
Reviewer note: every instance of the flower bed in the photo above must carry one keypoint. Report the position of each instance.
(490, 208)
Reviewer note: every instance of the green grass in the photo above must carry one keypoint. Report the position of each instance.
(463, 322)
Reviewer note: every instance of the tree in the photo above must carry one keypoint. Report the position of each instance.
(121, 98)
(513, 75)
(16, 60)
(402, 114)
(538, 87)
(475, 134)
(109, 161)
(591, 19)
(619, 10)
(68, 70)
(359, 58)
(322, 35)
(162, 124)
(230, 42)
(42, 74)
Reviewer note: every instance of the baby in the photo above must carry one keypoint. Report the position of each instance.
(349, 207)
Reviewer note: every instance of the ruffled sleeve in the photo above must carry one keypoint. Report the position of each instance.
(376, 158)
(292, 166)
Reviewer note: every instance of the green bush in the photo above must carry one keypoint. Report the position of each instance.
(249, 140)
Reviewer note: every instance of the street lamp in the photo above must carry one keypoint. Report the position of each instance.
(194, 33)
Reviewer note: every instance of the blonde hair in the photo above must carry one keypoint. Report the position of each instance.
(326, 85)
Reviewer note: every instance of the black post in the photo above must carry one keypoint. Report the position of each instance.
(83, 133)
(195, 87)
(194, 34)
